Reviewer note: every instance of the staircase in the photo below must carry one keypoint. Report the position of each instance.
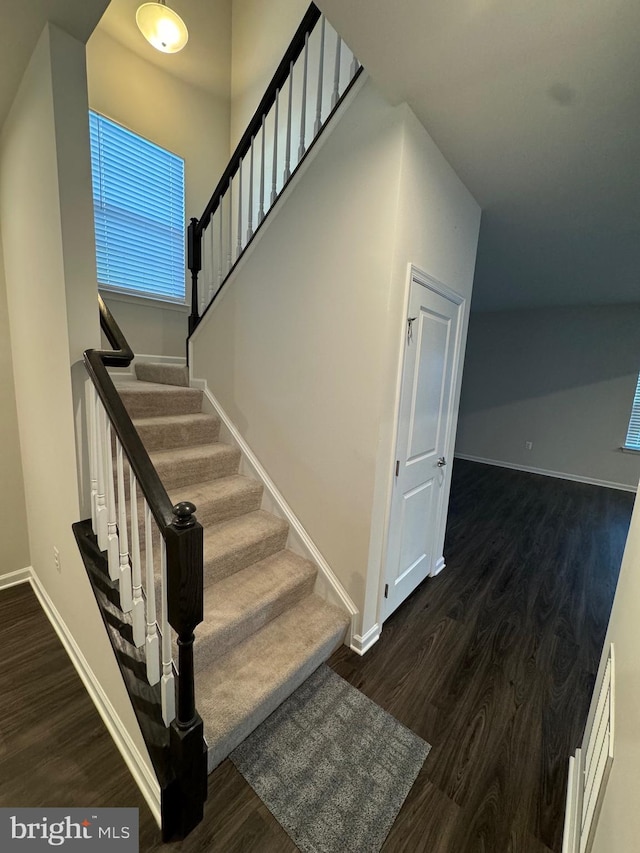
(264, 631)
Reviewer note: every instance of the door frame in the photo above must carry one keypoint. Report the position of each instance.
(418, 276)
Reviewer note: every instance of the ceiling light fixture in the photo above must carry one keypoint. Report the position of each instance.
(162, 27)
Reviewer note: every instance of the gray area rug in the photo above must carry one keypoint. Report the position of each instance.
(331, 766)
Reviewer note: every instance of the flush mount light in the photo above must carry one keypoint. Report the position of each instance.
(162, 27)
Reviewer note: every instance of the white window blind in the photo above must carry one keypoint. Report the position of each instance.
(138, 197)
(632, 440)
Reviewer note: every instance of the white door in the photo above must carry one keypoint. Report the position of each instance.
(425, 440)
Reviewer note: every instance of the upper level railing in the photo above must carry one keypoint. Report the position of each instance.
(315, 74)
(155, 554)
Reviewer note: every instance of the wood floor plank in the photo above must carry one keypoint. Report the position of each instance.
(492, 662)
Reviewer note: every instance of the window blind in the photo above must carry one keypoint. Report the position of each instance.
(632, 440)
(138, 198)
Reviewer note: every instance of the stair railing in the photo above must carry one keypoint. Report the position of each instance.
(161, 560)
(308, 86)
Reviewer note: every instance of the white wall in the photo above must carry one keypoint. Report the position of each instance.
(619, 825)
(13, 515)
(261, 31)
(179, 117)
(49, 260)
(563, 378)
(302, 347)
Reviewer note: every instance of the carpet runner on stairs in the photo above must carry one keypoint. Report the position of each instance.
(264, 630)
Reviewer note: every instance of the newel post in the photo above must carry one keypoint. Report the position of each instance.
(185, 596)
(194, 262)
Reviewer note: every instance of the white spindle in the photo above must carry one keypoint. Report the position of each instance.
(113, 548)
(354, 66)
(221, 252)
(212, 267)
(101, 500)
(93, 450)
(230, 258)
(126, 595)
(336, 75)
(152, 647)
(239, 243)
(274, 171)
(303, 114)
(167, 686)
(287, 158)
(250, 207)
(318, 122)
(136, 568)
(261, 209)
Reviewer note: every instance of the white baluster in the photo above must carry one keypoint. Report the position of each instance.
(212, 267)
(336, 75)
(250, 208)
(126, 595)
(152, 646)
(261, 209)
(101, 500)
(113, 548)
(354, 66)
(136, 569)
(239, 243)
(274, 171)
(287, 159)
(220, 216)
(303, 114)
(167, 686)
(93, 453)
(318, 122)
(230, 259)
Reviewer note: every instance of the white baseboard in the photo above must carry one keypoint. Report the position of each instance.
(14, 578)
(140, 771)
(328, 586)
(561, 475)
(157, 359)
(439, 566)
(360, 645)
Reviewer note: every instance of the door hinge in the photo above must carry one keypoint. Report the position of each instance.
(386, 590)
(397, 467)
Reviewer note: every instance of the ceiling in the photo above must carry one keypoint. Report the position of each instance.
(536, 105)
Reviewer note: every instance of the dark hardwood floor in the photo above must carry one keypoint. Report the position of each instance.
(492, 662)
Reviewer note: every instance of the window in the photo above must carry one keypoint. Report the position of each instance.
(138, 199)
(632, 441)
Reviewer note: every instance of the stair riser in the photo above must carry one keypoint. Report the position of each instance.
(155, 404)
(170, 436)
(165, 374)
(213, 646)
(197, 470)
(219, 566)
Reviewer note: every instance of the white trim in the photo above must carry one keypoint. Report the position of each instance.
(573, 808)
(137, 765)
(439, 566)
(156, 359)
(15, 578)
(327, 584)
(141, 299)
(360, 645)
(561, 475)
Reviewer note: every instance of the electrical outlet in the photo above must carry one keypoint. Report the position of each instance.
(528, 445)
(56, 558)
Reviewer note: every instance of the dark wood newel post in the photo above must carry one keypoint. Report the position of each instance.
(185, 599)
(194, 262)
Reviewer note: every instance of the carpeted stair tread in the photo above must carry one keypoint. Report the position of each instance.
(232, 545)
(221, 499)
(236, 692)
(171, 431)
(167, 374)
(238, 606)
(148, 399)
(181, 466)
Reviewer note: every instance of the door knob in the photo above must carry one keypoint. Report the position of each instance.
(441, 462)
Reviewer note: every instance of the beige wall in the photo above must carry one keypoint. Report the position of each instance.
(302, 349)
(181, 118)
(619, 825)
(261, 32)
(563, 378)
(44, 170)
(13, 515)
